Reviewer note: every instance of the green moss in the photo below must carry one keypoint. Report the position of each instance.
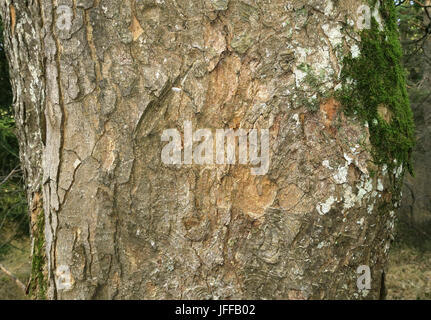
(38, 283)
(377, 78)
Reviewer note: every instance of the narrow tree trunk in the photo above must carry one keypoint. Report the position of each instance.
(415, 208)
(24, 51)
(97, 82)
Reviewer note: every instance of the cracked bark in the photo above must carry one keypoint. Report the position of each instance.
(91, 103)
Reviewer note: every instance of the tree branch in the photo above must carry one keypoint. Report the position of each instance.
(10, 274)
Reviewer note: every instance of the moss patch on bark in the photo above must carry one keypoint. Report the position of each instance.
(374, 89)
(38, 284)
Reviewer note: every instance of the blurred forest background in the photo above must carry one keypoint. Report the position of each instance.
(14, 223)
(409, 273)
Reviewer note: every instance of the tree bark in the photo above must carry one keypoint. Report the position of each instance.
(93, 98)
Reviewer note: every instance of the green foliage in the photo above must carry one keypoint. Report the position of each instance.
(13, 202)
(377, 79)
(8, 142)
(8, 145)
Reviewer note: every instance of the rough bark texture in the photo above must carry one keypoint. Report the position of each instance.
(119, 223)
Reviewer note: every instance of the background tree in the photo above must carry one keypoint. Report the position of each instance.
(415, 27)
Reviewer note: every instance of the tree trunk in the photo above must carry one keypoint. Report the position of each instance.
(416, 205)
(97, 83)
